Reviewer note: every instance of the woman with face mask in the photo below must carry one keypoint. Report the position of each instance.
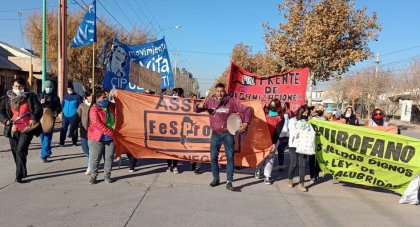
(300, 121)
(275, 123)
(377, 118)
(350, 117)
(48, 99)
(20, 112)
(100, 135)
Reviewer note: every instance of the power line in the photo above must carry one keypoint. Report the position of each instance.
(204, 52)
(135, 13)
(112, 16)
(125, 15)
(398, 51)
(145, 15)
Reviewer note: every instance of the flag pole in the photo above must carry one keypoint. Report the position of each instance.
(93, 68)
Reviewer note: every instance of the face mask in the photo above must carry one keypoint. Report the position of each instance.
(48, 90)
(348, 114)
(304, 117)
(70, 92)
(18, 91)
(319, 113)
(273, 108)
(272, 113)
(87, 102)
(286, 116)
(103, 103)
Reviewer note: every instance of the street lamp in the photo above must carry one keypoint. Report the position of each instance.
(164, 29)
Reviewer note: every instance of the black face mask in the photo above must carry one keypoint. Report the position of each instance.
(319, 113)
(304, 117)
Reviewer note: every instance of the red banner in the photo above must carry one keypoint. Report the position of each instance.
(288, 87)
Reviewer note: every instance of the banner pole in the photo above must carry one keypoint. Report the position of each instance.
(93, 68)
(44, 42)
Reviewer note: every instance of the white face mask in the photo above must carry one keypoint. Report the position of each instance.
(18, 91)
(70, 92)
(87, 102)
(348, 114)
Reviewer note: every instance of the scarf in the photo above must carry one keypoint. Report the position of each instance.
(15, 100)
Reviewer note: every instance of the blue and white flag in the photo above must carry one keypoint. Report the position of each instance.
(86, 33)
(153, 56)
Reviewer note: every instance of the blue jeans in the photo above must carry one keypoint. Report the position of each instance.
(67, 124)
(216, 141)
(85, 148)
(46, 139)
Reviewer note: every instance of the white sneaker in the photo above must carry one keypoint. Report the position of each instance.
(131, 171)
(87, 172)
(176, 170)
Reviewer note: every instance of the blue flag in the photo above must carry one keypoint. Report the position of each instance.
(86, 33)
(153, 56)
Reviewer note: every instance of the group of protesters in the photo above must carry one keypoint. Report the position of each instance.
(94, 116)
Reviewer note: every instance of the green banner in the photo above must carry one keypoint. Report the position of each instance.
(366, 156)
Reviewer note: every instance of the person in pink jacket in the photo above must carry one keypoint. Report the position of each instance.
(100, 135)
(220, 106)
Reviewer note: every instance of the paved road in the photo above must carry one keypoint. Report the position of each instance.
(58, 194)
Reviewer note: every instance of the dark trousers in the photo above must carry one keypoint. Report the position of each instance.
(282, 144)
(294, 157)
(19, 144)
(313, 167)
(69, 124)
(172, 163)
(132, 161)
(216, 141)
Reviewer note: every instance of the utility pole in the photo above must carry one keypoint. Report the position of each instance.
(311, 85)
(44, 42)
(59, 68)
(62, 78)
(377, 65)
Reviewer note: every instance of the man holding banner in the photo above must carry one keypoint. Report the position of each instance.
(220, 106)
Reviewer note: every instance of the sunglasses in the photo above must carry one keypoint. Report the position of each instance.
(377, 114)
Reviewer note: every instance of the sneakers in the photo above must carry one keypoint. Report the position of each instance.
(257, 174)
(302, 188)
(61, 144)
(229, 186)
(92, 180)
(131, 171)
(170, 169)
(108, 179)
(290, 183)
(44, 160)
(312, 181)
(197, 171)
(175, 170)
(87, 172)
(214, 183)
(267, 180)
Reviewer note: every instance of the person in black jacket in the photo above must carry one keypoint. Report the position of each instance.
(20, 112)
(350, 117)
(49, 99)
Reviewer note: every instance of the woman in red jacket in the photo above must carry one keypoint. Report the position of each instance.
(100, 133)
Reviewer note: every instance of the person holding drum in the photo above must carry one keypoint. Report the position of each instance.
(51, 109)
(20, 113)
(220, 106)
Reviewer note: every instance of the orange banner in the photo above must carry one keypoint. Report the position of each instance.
(166, 127)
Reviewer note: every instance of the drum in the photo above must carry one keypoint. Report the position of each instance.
(234, 123)
(47, 120)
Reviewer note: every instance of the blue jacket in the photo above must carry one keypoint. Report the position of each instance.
(70, 104)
